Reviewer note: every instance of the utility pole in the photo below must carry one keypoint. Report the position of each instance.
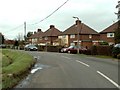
(78, 33)
(25, 31)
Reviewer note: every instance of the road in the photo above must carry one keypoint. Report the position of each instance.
(62, 70)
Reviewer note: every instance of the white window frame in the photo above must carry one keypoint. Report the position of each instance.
(72, 36)
(90, 36)
(110, 35)
(46, 38)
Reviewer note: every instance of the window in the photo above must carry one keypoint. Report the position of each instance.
(90, 36)
(72, 44)
(40, 38)
(46, 38)
(72, 36)
(110, 34)
(64, 36)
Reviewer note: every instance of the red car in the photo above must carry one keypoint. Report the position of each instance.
(73, 49)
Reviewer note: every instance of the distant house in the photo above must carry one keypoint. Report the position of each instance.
(36, 37)
(51, 35)
(107, 35)
(87, 36)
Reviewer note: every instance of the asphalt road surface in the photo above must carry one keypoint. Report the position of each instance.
(62, 70)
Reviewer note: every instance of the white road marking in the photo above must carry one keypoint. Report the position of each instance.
(114, 83)
(66, 57)
(83, 63)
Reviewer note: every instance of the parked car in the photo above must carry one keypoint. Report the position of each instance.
(73, 49)
(116, 50)
(2, 46)
(30, 47)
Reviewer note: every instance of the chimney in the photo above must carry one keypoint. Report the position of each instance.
(38, 30)
(35, 32)
(52, 26)
(78, 21)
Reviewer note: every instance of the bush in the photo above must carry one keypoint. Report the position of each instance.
(94, 50)
(115, 51)
(118, 56)
(104, 43)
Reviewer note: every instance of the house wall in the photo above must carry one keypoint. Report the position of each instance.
(103, 37)
(85, 40)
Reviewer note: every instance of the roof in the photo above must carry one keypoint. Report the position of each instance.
(111, 28)
(52, 31)
(37, 35)
(83, 29)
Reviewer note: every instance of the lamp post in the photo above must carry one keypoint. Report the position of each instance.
(78, 33)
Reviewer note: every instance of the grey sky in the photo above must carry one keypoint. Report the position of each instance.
(98, 14)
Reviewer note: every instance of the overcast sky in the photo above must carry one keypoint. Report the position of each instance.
(98, 14)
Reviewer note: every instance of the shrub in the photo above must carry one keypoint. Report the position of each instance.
(94, 50)
(115, 51)
(118, 56)
(103, 43)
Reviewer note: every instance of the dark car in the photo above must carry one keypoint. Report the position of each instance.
(73, 49)
(30, 47)
(116, 50)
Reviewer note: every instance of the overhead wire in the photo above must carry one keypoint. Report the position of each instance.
(40, 20)
(51, 13)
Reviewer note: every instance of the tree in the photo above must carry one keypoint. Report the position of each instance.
(117, 33)
(29, 34)
(2, 39)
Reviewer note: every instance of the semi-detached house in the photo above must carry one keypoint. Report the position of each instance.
(87, 35)
(107, 35)
(48, 37)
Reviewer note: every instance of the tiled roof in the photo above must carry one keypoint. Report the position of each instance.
(111, 28)
(37, 35)
(52, 31)
(83, 29)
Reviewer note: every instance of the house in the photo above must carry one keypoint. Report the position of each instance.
(50, 35)
(36, 37)
(107, 35)
(86, 35)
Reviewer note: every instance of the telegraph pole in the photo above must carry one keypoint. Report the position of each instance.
(25, 31)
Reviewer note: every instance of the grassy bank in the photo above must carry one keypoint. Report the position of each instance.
(15, 66)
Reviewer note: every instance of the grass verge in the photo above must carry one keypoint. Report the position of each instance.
(15, 66)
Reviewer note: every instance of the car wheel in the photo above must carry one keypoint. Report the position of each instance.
(69, 52)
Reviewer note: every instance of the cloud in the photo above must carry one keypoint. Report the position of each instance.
(97, 14)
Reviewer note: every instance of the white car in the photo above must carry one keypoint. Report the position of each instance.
(30, 47)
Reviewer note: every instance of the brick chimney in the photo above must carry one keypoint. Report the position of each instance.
(35, 32)
(78, 21)
(38, 30)
(52, 26)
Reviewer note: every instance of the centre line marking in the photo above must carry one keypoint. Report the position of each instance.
(83, 63)
(114, 83)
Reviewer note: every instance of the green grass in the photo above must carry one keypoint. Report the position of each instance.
(102, 56)
(15, 65)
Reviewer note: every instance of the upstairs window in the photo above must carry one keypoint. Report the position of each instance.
(72, 36)
(46, 38)
(90, 36)
(110, 35)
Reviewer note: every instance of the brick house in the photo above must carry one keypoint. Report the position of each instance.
(36, 37)
(107, 35)
(87, 36)
(50, 35)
